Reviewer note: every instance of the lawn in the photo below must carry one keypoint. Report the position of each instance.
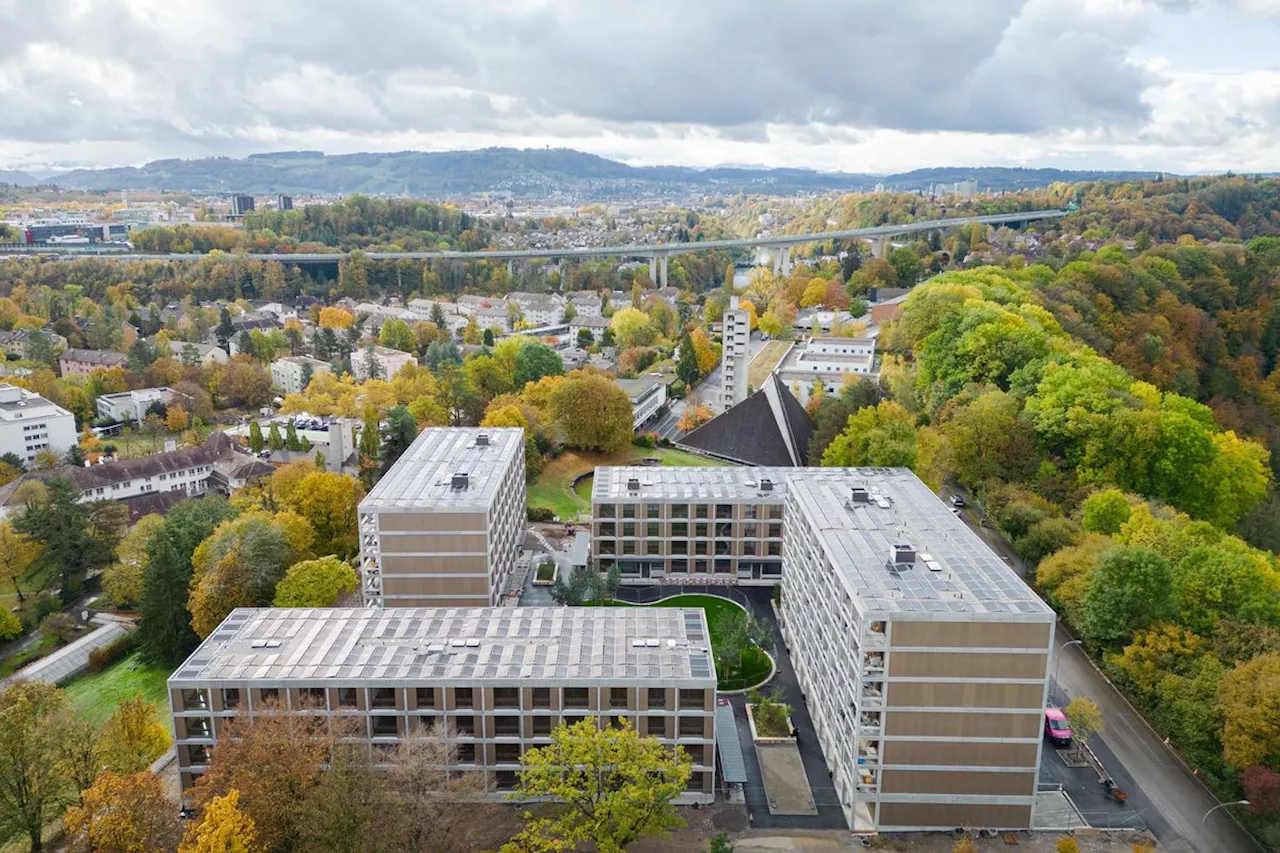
(554, 487)
(765, 361)
(97, 694)
(31, 583)
(755, 666)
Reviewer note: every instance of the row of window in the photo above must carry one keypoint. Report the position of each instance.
(656, 568)
(384, 698)
(698, 511)
(699, 529)
(653, 548)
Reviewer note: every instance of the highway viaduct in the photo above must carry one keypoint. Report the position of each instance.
(657, 254)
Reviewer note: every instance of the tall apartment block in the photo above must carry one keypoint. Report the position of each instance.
(662, 523)
(443, 527)
(735, 355)
(923, 658)
(491, 681)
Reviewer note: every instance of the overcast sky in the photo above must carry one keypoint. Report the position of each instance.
(853, 85)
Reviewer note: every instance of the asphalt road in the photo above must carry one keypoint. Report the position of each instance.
(708, 390)
(1162, 791)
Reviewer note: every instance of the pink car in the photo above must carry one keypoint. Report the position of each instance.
(1056, 728)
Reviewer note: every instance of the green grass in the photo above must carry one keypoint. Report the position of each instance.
(755, 666)
(554, 489)
(765, 361)
(96, 695)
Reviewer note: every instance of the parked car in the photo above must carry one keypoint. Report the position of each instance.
(1056, 727)
(957, 501)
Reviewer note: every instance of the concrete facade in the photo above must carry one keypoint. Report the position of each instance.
(29, 424)
(735, 354)
(493, 682)
(443, 526)
(386, 362)
(290, 373)
(133, 405)
(648, 394)
(831, 361)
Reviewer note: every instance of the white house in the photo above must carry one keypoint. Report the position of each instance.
(594, 324)
(293, 373)
(132, 405)
(203, 355)
(538, 309)
(833, 361)
(648, 394)
(29, 423)
(387, 362)
(587, 304)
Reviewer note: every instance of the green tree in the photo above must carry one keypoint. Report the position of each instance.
(1129, 590)
(535, 360)
(591, 412)
(487, 337)
(1106, 511)
(315, 583)
(1227, 580)
(35, 785)
(41, 350)
(907, 264)
(72, 543)
(402, 429)
(225, 329)
(291, 441)
(987, 439)
(164, 629)
(239, 565)
(720, 843)
(883, 436)
(687, 366)
(370, 448)
(585, 338)
(1084, 718)
(613, 787)
(396, 334)
(275, 440)
(256, 442)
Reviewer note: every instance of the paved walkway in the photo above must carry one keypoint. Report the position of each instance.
(73, 659)
(784, 779)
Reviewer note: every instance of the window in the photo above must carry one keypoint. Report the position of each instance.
(657, 697)
(542, 697)
(628, 510)
(463, 697)
(269, 695)
(506, 697)
(691, 726)
(426, 697)
(628, 528)
(197, 726)
(693, 699)
(506, 726)
(701, 530)
(748, 548)
(680, 511)
(680, 546)
(505, 780)
(617, 697)
(701, 511)
(775, 549)
(608, 528)
(679, 567)
(466, 753)
(382, 697)
(697, 753)
(655, 726)
(653, 511)
(230, 698)
(775, 531)
(606, 546)
(312, 697)
(194, 700)
(750, 511)
(775, 512)
(465, 725)
(347, 698)
(628, 546)
(724, 510)
(384, 726)
(723, 547)
(199, 754)
(750, 530)
(653, 547)
(573, 719)
(575, 697)
(700, 547)
(606, 511)
(680, 528)
(653, 528)
(506, 753)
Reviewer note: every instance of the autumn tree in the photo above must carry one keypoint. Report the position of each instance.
(243, 383)
(328, 501)
(631, 327)
(223, 828)
(696, 413)
(1084, 718)
(592, 412)
(332, 317)
(315, 583)
(36, 781)
(133, 737)
(883, 436)
(1105, 511)
(613, 788)
(125, 813)
(17, 554)
(239, 565)
(707, 352)
(1249, 700)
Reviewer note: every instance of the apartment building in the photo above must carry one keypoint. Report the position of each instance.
(293, 373)
(82, 362)
(662, 524)
(922, 656)
(443, 527)
(494, 681)
(132, 405)
(29, 424)
(831, 361)
(735, 355)
(383, 362)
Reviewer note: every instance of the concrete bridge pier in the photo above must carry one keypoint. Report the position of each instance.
(880, 246)
(662, 271)
(511, 268)
(653, 268)
(782, 260)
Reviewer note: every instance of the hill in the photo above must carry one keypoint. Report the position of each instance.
(21, 179)
(544, 173)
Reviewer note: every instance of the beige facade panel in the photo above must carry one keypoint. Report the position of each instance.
(392, 566)
(962, 724)
(966, 665)
(438, 520)
(442, 543)
(477, 585)
(960, 754)
(397, 600)
(983, 635)
(958, 782)
(951, 815)
(973, 694)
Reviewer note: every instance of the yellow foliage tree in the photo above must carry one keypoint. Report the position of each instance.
(707, 353)
(1249, 698)
(332, 317)
(123, 814)
(177, 419)
(222, 829)
(133, 737)
(122, 580)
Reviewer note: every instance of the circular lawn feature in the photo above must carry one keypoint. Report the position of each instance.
(756, 665)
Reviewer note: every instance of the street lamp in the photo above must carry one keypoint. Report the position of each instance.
(1058, 659)
(1220, 806)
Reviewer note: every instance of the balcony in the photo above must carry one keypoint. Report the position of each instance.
(872, 696)
(868, 754)
(873, 662)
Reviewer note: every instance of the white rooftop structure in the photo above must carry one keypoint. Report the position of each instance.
(448, 469)
(658, 484)
(454, 644)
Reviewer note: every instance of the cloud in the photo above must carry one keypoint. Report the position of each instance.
(709, 81)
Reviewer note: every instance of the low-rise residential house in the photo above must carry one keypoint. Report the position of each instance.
(132, 406)
(294, 373)
(648, 394)
(15, 342)
(468, 304)
(251, 320)
(539, 309)
(381, 362)
(29, 424)
(198, 354)
(82, 362)
(595, 325)
(587, 304)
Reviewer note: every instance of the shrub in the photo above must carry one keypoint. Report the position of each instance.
(1067, 845)
(770, 713)
(964, 845)
(46, 603)
(60, 625)
(643, 439)
(547, 571)
(663, 441)
(541, 513)
(103, 656)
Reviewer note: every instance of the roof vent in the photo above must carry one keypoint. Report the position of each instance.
(633, 485)
(766, 485)
(482, 440)
(902, 554)
(860, 495)
(459, 482)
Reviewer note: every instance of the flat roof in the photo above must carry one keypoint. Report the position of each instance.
(951, 570)
(455, 645)
(658, 484)
(423, 478)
